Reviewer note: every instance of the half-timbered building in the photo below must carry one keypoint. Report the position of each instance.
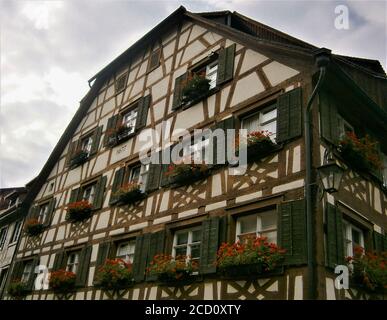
(259, 79)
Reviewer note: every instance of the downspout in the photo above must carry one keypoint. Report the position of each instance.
(322, 59)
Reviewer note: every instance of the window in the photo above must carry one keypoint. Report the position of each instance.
(187, 243)
(262, 121)
(263, 224)
(209, 71)
(43, 212)
(129, 120)
(3, 237)
(12, 202)
(197, 150)
(16, 232)
(27, 271)
(353, 237)
(72, 262)
(143, 176)
(86, 144)
(121, 83)
(125, 250)
(3, 277)
(384, 158)
(345, 127)
(88, 193)
(154, 60)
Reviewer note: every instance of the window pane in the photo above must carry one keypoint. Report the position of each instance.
(195, 251)
(270, 127)
(271, 236)
(268, 220)
(251, 123)
(196, 235)
(248, 224)
(181, 251)
(268, 115)
(182, 238)
(135, 174)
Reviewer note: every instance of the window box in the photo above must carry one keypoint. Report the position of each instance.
(252, 256)
(79, 157)
(258, 144)
(79, 211)
(172, 270)
(368, 271)
(361, 154)
(33, 227)
(184, 174)
(129, 193)
(119, 135)
(62, 282)
(18, 290)
(114, 275)
(195, 89)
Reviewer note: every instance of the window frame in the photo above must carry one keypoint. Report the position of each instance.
(118, 90)
(3, 237)
(348, 227)
(189, 243)
(16, 232)
(258, 227)
(150, 68)
(84, 187)
(268, 107)
(27, 273)
(76, 254)
(132, 243)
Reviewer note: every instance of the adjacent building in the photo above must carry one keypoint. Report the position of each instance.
(259, 79)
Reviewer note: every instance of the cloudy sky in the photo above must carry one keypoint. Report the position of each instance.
(49, 49)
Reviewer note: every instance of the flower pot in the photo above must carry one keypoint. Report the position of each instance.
(123, 135)
(79, 158)
(131, 197)
(195, 89)
(242, 270)
(259, 149)
(174, 278)
(187, 177)
(112, 140)
(34, 229)
(18, 290)
(353, 158)
(77, 215)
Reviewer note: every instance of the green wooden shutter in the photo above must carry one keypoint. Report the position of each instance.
(330, 120)
(164, 181)
(59, 261)
(225, 124)
(74, 195)
(99, 193)
(140, 257)
(289, 115)
(156, 246)
(51, 208)
(72, 148)
(17, 270)
(117, 183)
(111, 125)
(379, 240)
(223, 227)
(226, 64)
(209, 245)
(292, 231)
(142, 111)
(334, 238)
(178, 91)
(83, 266)
(103, 254)
(154, 175)
(96, 139)
(32, 276)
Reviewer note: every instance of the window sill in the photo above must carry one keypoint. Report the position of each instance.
(115, 141)
(189, 104)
